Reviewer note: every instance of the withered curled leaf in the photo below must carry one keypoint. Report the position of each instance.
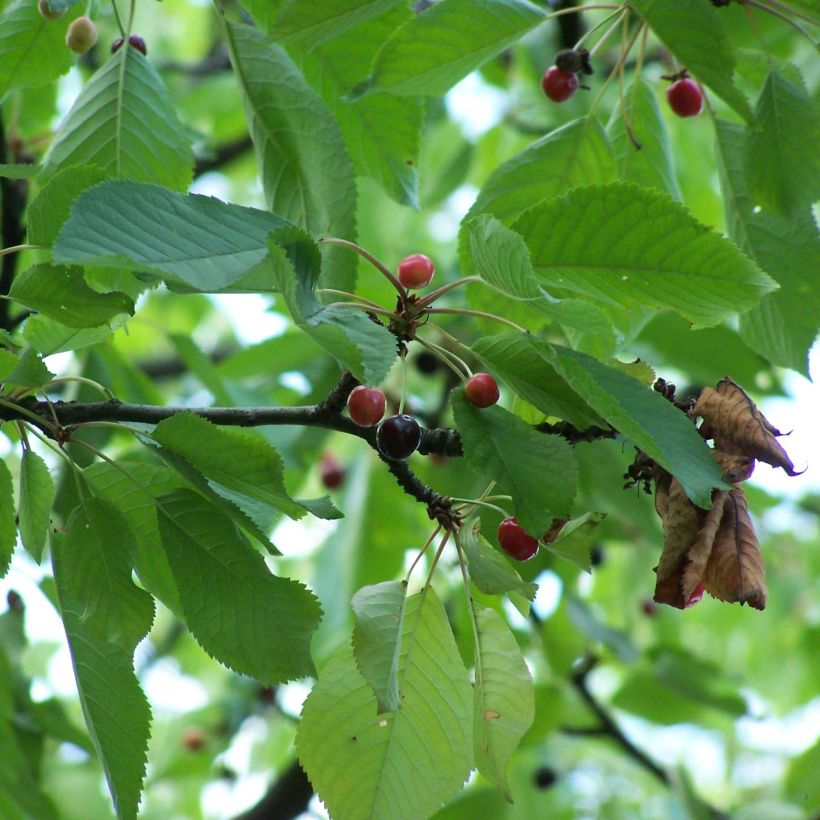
(734, 468)
(699, 553)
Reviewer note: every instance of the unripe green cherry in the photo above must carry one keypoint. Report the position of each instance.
(81, 35)
(47, 12)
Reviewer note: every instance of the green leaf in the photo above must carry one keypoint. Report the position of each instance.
(585, 621)
(785, 324)
(98, 548)
(489, 570)
(379, 611)
(29, 371)
(116, 710)
(538, 470)
(61, 293)
(8, 529)
(309, 182)
(124, 122)
(247, 618)
(199, 241)
(651, 165)
(782, 161)
(37, 494)
(434, 50)
(361, 345)
(358, 761)
(574, 542)
(504, 697)
(694, 32)
(47, 336)
(32, 49)
(623, 244)
(18, 171)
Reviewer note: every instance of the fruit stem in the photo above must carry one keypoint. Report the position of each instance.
(618, 10)
(474, 502)
(403, 397)
(621, 61)
(782, 16)
(431, 297)
(39, 420)
(84, 380)
(603, 38)
(577, 9)
(429, 541)
(117, 18)
(624, 115)
(366, 308)
(789, 10)
(24, 247)
(344, 243)
(352, 296)
(479, 313)
(450, 359)
(436, 558)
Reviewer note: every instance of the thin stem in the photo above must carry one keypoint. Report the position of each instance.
(479, 313)
(431, 297)
(403, 397)
(347, 295)
(366, 308)
(473, 502)
(627, 123)
(773, 11)
(618, 10)
(789, 10)
(621, 61)
(436, 558)
(427, 543)
(578, 9)
(117, 17)
(83, 380)
(26, 412)
(605, 36)
(23, 247)
(450, 359)
(380, 266)
(479, 670)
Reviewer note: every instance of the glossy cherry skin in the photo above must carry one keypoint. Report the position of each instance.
(416, 270)
(685, 98)
(481, 390)
(366, 405)
(135, 41)
(559, 85)
(398, 437)
(332, 472)
(516, 541)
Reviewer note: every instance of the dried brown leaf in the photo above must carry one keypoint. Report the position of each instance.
(735, 569)
(738, 427)
(734, 468)
(698, 556)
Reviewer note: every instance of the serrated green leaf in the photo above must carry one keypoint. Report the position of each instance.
(98, 549)
(309, 182)
(537, 470)
(504, 697)
(124, 122)
(116, 711)
(781, 156)
(61, 293)
(196, 240)
(37, 494)
(651, 165)
(489, 570)
(254, 622)
(358, 761)
(47, 336)
(29, 371)
(785, 324)
(433, 51)
(694, 32)
(379, 611)
(574, 542)
(361, 345)
(623, 244)
(8, 529)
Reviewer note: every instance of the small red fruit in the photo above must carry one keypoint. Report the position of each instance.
(398, 437)
(366, 405)
(559, 85)
(193, 739)
(416, 270)
(481, 390)
(694, 598)
(515, 540)
(81, 35)
(135, 41)
(649, 607)
(332, 472)
(685, 98)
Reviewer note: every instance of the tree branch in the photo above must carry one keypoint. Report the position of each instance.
(286, 798)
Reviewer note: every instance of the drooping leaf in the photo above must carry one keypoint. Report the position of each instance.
(8, 530)
(30, 371)
(116, 710)
(358, 760)
(124, 122)
(309, 182)
(504, 697)
(695, 33)
(433, 51)
(623, 244)
(379, 611)
(538, 470)
(98, 549)
(36, 500)
(60, 292)
(252, 621)
(198, 241)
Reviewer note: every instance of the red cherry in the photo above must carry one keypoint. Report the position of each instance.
(649, 607)
(193, 739)
(481, 390)
(559, 85)
(135, 41)
(416, 270)
(694, 598)
(515, 541)
(398, 437)
(685, 98)
(366, 405)
(332, 472)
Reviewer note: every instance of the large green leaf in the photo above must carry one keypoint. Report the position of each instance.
(694, 32)
(307, 181)
(785, 324)
(198, 241)
(538, 470)
(782, 160)
(60, 292)
(504, 697)
(30, 371)
(98, 549)
(247, 618)
(379, 611)
(8, 530)
(123, 121)
(652, 164)
(433, 51)
(359, 761)
(116, 710)
(623, 244)
(47, 336)
(36, 500)
(363, 346)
